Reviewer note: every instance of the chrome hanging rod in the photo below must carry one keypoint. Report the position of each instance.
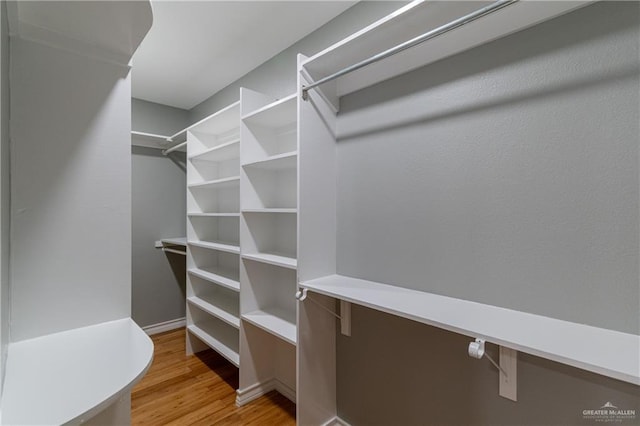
(173, 148)
(411, 43)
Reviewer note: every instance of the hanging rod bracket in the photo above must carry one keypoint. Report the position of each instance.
(507, 367)
(345, 310)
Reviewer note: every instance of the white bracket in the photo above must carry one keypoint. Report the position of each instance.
(508, 367)
(345, 310)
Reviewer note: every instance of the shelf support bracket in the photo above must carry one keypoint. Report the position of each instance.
(345, 310)
(507, 376)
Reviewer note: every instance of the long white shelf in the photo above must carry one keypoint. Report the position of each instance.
(276, 114)
(151, 136)
(220, 313)
(216, 278)
(222, 152)
(216, 183)
(276, 321)
(67, 377)
(229, 248)
(178, 241)
(217, 123)
(288, 160)
(195, 214)
(223, 349)
(606, 352)
(273, 259)
(270, 210)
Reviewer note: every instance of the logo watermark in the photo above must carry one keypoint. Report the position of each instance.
(609, 413)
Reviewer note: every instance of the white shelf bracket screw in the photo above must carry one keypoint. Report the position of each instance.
(507, 367)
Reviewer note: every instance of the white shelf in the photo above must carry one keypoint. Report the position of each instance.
(217, 183)
(229, 248)
(151, 136)
(220, 313)
(217, 345)
(276, 321)
(67, 377)
(178, 241)
(288, 160)
(274, 210)
(222, 152)
(219, 122)
(194, 214)
(215, 278)
(276, 114)
(606, 352)
(273, 259)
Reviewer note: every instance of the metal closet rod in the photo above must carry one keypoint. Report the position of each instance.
(411, 43)
(173, 148)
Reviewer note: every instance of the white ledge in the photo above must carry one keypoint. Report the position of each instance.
(71, 376)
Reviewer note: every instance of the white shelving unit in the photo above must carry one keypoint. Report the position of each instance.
(213, 241)
(616, 354)
(268, 240)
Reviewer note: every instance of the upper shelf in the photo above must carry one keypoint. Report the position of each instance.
(415, 19)
(606, 352)
(222, 152)
(68, 377)
(220, 122)
(276, 114)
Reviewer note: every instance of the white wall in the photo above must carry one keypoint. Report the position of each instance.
(150, 117)
(71, 190)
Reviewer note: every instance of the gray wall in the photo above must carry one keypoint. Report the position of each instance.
(5, 189)
(506, 175)
(150, 117)
(277, 77)
(159, 211)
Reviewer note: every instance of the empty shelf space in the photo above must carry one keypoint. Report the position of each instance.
(273, 259)
(275, 114)
(217, 183)
(227, 348)
(275, 321)
(268, 210)
(216, 278)
(222, 152)
(615, 355)
(222, 312)
(229, 248)
(288, 160)
(194, 214)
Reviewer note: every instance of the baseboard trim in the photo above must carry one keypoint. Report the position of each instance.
(253, 392)
(161, 327)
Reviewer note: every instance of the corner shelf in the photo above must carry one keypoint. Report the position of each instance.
(217, 183)
(215, 278)
(275, 259)
(225, 346)
(276, 321)
(220, 313)
(228, 248)
(615, 355)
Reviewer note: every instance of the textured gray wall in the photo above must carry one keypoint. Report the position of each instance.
(150, 117)
(5, 188)
(159, 211)
(277, 76)
(507, 175)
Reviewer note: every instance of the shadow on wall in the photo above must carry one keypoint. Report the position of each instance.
(178, 265)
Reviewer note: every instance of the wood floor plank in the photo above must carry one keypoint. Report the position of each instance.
(198, 390)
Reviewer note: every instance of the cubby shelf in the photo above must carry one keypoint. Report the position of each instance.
(229, 248)
(227, 348)
(276, 321)
(288, 160)
(222, 152)
(216, 278)
(217, 183)
(195, 214)
(276, 114)
(222, 313)
(273, 259)
(268, 210)
(615, 355)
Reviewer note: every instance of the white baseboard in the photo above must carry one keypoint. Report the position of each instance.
(165, 326)
(245, 396)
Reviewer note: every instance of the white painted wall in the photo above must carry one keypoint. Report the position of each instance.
(71, 190)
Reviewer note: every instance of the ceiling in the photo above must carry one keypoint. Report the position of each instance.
(196, 48)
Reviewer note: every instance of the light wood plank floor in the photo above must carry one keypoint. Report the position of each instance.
(198, 390)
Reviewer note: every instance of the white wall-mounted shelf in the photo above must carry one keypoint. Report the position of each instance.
(615, 355)
(276, 114)
(216, 278)
(196, 214)
(223, 152)
(223, 313)
(228, 248)
(278, 322)
(274, 210)
(178, 241)
(275, 259)
(217, 183)
(219, 122)
(224, 345)
(287, 160)
(67, 377)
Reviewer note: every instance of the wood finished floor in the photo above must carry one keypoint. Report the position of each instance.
(198, 390)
